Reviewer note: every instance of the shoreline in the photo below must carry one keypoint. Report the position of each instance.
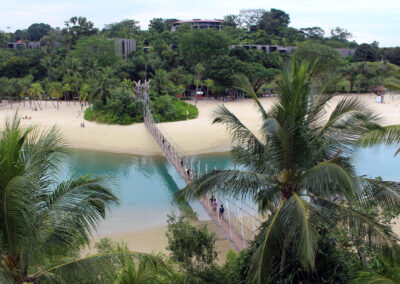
(195, 137)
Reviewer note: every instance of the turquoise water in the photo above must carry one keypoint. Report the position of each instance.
(146, 184)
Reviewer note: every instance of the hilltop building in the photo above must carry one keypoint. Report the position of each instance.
(124, 46)
(199, 24)
(27, 44)
(344, 52)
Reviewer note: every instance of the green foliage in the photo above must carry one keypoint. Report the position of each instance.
(36, 31)
(197, 46)
(325, 57)
(366, 52)
(120, 108)
(124, 29)
(299, 170)
(168, 108)
(96, 48)
(43, 222)
(192, 247)
(76, 28)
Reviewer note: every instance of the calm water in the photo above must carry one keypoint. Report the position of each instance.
(145, 184)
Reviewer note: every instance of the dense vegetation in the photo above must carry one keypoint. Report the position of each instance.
(323, 219)
(79, 62)
(325, 224)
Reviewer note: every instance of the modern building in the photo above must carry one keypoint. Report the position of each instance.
(199, 24)
(124, 46)
(266, 48)
(27, 44)
(344, 52)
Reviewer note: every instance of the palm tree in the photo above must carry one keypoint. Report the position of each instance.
(198, 70)
(72, 68)
(24, 85)
(350, 72)
(298, 169)
(48, 63)
(56, 90)
(36, 91)
(209, 84)
(361, 67)
(92, 68)
(44, 223)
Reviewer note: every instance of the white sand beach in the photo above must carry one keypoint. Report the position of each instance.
(195, 136)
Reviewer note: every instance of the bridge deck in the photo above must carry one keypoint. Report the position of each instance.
(180, 163)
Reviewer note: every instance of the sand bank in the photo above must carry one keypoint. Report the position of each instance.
(196, 136)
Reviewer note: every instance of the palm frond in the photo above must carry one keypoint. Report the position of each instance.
(263, 259)
(102, 268)
(328, 179)
(241, 82)
(74, 209)
(388, 135)
(235, 183)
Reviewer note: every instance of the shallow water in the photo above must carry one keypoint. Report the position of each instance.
(146, 184)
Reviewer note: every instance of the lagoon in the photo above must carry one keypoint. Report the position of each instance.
(145, 184)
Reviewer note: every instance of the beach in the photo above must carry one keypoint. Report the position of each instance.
(196, 136)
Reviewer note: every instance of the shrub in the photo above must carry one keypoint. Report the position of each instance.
(167, 108)
(121, 108)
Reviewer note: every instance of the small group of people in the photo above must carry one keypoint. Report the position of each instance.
(214, 205)
(27, 117)
(82, 124)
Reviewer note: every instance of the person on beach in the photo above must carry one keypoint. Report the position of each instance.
(221, 211)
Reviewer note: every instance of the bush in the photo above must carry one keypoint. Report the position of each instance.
(121, 108)
(167, 108)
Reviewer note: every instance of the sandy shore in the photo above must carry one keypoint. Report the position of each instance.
(154, 240)
(195, 136)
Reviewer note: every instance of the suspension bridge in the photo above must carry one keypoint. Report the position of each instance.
(240, 221)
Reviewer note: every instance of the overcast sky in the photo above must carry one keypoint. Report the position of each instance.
(367, 20)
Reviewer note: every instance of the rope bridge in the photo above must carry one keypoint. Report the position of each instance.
(239, 221)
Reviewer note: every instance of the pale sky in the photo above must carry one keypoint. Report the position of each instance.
(367, 20)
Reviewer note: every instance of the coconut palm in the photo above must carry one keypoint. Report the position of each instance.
(298, 169)
(350, 72)
(56, 90)
(35, 92)
(43, 223)
(24, 85)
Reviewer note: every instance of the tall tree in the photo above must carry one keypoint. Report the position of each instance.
(199, 45)
(36, 31)
(274, 22)
(43, 222)
(299, 170)
(157, 24)
(77, 27)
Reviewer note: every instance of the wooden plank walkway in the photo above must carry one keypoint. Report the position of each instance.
(182, 166)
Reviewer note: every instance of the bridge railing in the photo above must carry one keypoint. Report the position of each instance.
(240, 221)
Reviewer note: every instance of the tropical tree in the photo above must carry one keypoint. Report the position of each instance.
(35, 92)
(298, 169)
(56, 91)
(43, 222)
(350, 72)
(209, 84)
(24, 86)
